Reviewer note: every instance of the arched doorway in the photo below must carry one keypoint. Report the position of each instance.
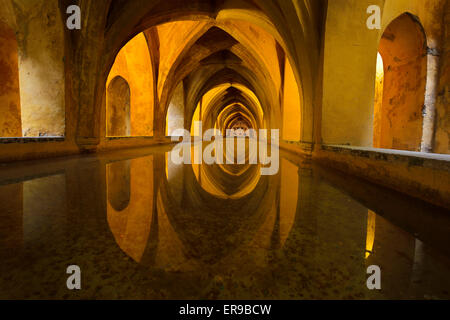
(398, 119)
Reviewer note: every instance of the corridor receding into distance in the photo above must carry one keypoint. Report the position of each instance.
(225, 149)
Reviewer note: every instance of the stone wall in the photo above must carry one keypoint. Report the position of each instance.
(40, 35)
(10, 124)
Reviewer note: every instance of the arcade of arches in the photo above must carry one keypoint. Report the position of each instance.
(369, 103)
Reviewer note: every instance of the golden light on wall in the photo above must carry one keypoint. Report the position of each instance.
(291, 106)
(379, 84)
(195, 130)
(133, 63)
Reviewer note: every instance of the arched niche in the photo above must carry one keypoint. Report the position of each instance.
(118, 108)
(403, 50)
(10, 121)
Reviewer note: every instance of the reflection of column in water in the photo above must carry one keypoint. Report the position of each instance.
(11, 215)
(44, 209)
(288, 198)
(175, 177)
(370, 237)
(418, 265)
(305, 219)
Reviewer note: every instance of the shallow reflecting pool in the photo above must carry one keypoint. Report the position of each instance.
(139, 226)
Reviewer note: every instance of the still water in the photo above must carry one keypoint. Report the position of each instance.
(141, 227)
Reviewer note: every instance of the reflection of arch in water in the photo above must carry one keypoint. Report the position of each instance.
(118, 184)
(221, 182)
(230, 221)
(238, 181)
(370, 235)
(201, 230)
(225, 181)
(233, 148)
(131, 226)
(118, 108)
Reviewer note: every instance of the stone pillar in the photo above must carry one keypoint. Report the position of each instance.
(159, 133)
(429, 112)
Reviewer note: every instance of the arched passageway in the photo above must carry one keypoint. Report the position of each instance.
(193, 101)
(212, 72)
(201, 46)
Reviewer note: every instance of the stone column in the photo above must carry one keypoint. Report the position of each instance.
(429, 111)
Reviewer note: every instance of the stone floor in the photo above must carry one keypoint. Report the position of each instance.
(141, 227)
